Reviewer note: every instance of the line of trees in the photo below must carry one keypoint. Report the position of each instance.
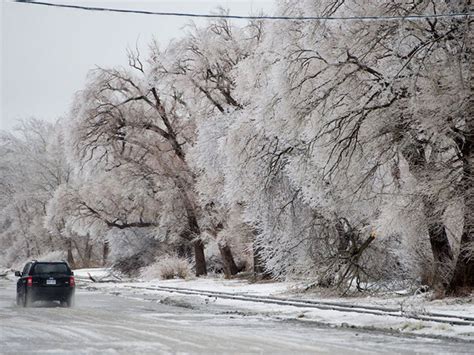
(336, 150)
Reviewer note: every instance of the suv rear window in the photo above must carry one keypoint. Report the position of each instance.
(50, 269)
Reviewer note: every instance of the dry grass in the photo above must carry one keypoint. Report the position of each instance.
(168, 267)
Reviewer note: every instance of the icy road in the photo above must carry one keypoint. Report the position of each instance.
(107, 324)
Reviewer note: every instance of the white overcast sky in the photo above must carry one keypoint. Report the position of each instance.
(46, 52)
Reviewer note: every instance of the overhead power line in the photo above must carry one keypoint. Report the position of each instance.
(239, 17)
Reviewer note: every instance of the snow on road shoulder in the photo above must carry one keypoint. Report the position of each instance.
(213, 284)
(97, 274)
(398, 325)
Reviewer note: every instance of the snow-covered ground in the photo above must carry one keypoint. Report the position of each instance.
(102, 323)
(410, 305)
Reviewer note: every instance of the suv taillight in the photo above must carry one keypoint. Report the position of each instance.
(29, 281)
(72, 282)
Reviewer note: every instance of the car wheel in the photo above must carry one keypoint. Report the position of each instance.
(69, 302)
(18, 300)
(26, 300)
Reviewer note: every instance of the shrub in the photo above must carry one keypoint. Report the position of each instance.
(168, 267)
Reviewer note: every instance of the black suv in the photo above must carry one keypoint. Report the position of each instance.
(45, 281)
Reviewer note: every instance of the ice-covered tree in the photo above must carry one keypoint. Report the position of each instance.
(358, 110)
(137, 119)
(205, 63)
(32, 166)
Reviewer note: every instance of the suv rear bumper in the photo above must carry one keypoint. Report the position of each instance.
(50, 293)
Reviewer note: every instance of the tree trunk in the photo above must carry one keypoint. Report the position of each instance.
(343, 236)
(199, 258)
(38, 249)
(184, 250)
(440, 247)
(228, 262)
(28, 251)
(105, 252)
(463, 277)
(193, 231)
(88, 255)
(230, 268)
(78, 250)
(258, 267)
(70, 256)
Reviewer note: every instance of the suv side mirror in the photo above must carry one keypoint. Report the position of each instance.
(17, 273)
(72, 272)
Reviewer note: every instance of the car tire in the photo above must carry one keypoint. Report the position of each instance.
(18, 300)
(68, 302)
(26, 300)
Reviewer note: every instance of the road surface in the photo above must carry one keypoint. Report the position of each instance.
(108, 324)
